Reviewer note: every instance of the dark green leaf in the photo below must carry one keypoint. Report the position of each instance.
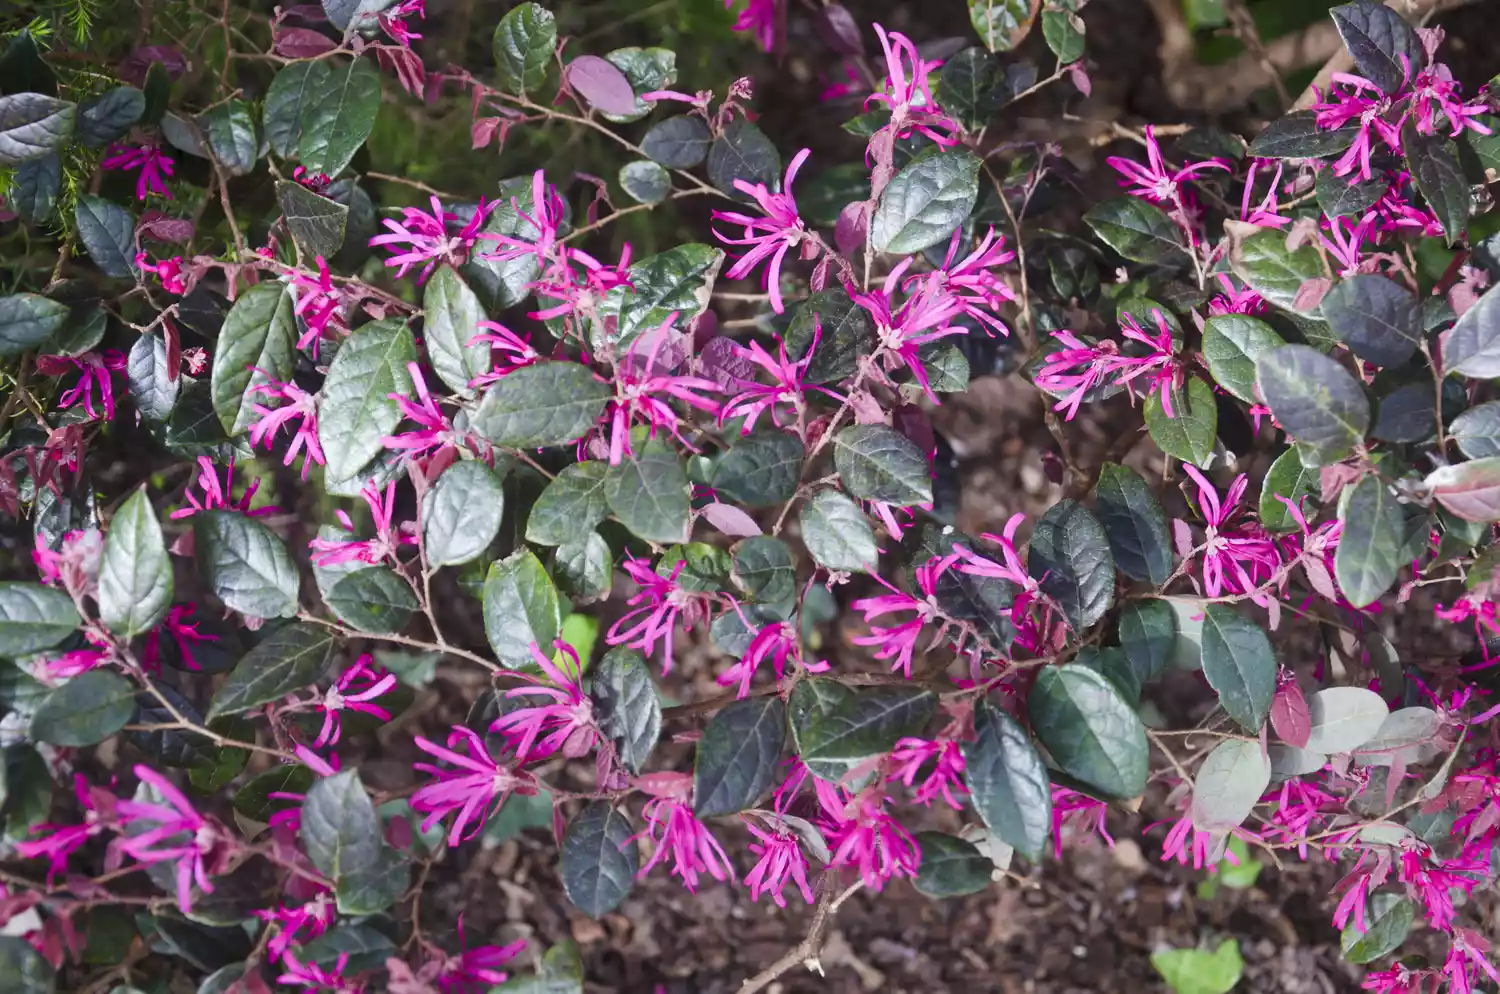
(1262, 260)
(837, 534)
(107, 231)
(291, 95)
(1379, 320)
(582, 567)
(154, 392)
(572, 503)
(452, 313)
(33, 124)
(1148, 633)
(600, 859)
(356, 410)
(368, 890)
(844, 331)
(1314, 399)
(679, 142)
(649, 494)
(1477, 430)
(1389, 918)
(739, 756)
(22, 68)
(338, 116)
(1434, 165)
(193, 428)
(461, 513)
(135, 573)
(1383, 45)
(373, 600)
(879, 463)
(33, 617)
(367, 948)
(1297, 136)
(317, 224)
(1064, 33)
(164, 705)
(520, 608)
(1002, 24)
(86, 710)
(1239, 665)
(1289, 478)
(971, 88)
(760, 469)
(1135, 524)
(626, 706)
(1091, 731)
(982, 600)
(1370, 550)
(505, 283)
(27, 970)
(647, 69)
(245, 564)
(1472, 346)
(646, 182)
(106, 117)
(1190, 433)
(291, 657)
(1348, 196)
(926, 201)
(951, 867)
(743, 152)
(33, 193)
(254, 800)
(523, 45)
(1139, 231)
(1230, 344)
(1008, 782)
(256, 345)
(27, 320)
(861, 726)
(1070, 558)
(548, 403)
(157, 90)
(232, 136)
(340, 831)
(678, 280)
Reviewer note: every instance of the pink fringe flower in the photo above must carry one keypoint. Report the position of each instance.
(475, 790)
(772, 236)
(152, 162)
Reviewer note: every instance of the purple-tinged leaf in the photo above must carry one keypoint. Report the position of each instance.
(601, 84)
(1289, 715)
(1470, 490)
(839, 31)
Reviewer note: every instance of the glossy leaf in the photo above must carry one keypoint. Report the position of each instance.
(520, 608)
(245, 564)
(373, 599)
(1228, 784)
(1379, 320)
(35, 188)
(317, 224)
(1289, 478)
(135, 573)
(153, 391)
(626, 706)
(1384, 47)
(1092, 732)
(256, 344)
(340, 831)
(1370, 550)
(1472, 346)
(523, 45)
(1344, 718)
(845, 331)
(760, 469)
(1197, 971)
(33, 124)
(289, 98)
(289, 658)
(762, 566)
(1135, 524)
(950, 866)
(1002, 24)
(835, 740)
(679, 142)
(1070, 557)
(573, 502)
(646, 182)
(33, 617)
(649, 494)
(1297, 136)
(86, 710)
(232, 136)
(461, 513)
(1231, 343)
(1008, 782)
(837, 534)
(1263, 261)
(337, 116)
(548, 403)
(600, 858)
(27, 320)
(678, 281)
(1148, 635)
(971, 88)
(879, 463)
(926, 201)
(1389, 918)
(1469, 490)
(1477, 430)
(1314, 399)
(601, 84)
(356, 410)
(743, 152)
(106, 230)
(26, 968)
(1238, 664)
(254, 799)
(739, 756)
(106, 117)
(1348, 196)
(1139, 231)
(1190, 433)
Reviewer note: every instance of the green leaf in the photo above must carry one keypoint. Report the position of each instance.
(1379, 320)
(318, 224)
(879, 463)
(645, 181)
(971, 88)
(1262, 261)
(547, 403)
(1348, 196)
(743, 152)
(1297, 136)
(1148, 636)
(678, 280)
(865, 724)
(626, 706)
(245, 564)
(135, 573)
(289, 658)
(86, 710)
(1008, 782)
(356, 410)
(1195, 971)
(763, 568)
(1092, 732)
(582, 567)
(1469, 490)
(1389, 917)
(760, 469)
(369, 890)
(572, 503)
(367, 948)
(293, 91)
(739, 756)
(338, 116)
(1064, 33)
(505, 283)
(837, 534)
(1071, 559)
(1231, 343)
(1344, 718)
(33, 124)
(1229, 783)
(231, 132)
(340, 830)
(1289, 478)
(926, 201)
(1139, 231)
(600, 858)
(950, 866)
(679, 142)
(845, 331)
(1369, 554)
(1238, 664)
(649, 494)
(1477, 430)
(523, 45)
(254, 800)
(107, 231)
(452, 313)
(107, 116)
(1135, 524)
(1189, 435)
(256, 344)
(1315, 400)
(461, 513)
(647, 69)
(1384, 47)
(27, 320)
(373, 599)
(1002, 24)
(1472, 346)
(29, 972)
(154, 392)
(520, 608)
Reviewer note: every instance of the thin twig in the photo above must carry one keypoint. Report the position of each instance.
(808, 949)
